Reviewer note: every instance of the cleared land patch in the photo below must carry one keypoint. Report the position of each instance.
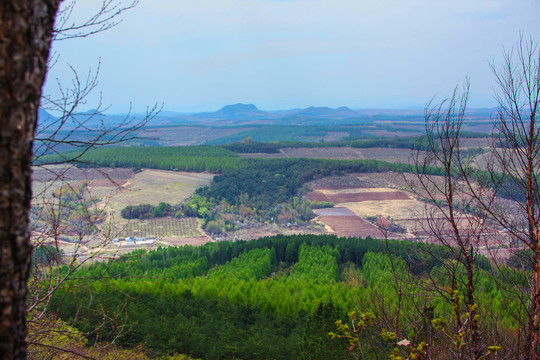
(155, 186)
(344, 153)
(362, 199)
(356, 195)
(162, 228)
(344, 222)
(113, 189)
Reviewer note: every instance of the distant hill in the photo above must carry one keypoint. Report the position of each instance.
(244, 114)
(235, 112)
(44, 118)
(324, 111)
(91, 112)
(240, 110)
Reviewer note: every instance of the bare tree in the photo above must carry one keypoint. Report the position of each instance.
(447, 220)
(513, 173)
(499, 205)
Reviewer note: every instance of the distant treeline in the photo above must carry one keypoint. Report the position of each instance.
(316, 134)
(274, 147)
(179, 158)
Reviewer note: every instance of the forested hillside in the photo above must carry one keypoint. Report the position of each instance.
(275, 297)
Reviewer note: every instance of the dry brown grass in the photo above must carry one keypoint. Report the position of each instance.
(155, 186)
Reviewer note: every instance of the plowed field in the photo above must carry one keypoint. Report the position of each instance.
(347, 197)
(344, 222)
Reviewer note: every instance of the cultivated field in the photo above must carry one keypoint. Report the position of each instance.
(370, 204)
(152, 187)
(366, 201)
(155, 186)
(344, 222)
(111, 190)
(341, 153)
(185, 135)
(161, 228)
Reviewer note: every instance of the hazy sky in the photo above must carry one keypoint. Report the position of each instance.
(280, 54)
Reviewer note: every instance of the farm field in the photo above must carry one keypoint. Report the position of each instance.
(344, 222)
(152, 187)
(264, 230)
(364, 201)
(396, 155)
(160, 228)
(345, 153)
(359, 197)
(186, 135)
(155, 186)
(112, 190)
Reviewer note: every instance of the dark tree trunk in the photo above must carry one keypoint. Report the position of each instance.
(25, 33)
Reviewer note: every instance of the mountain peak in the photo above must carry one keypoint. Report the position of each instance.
(239, 109)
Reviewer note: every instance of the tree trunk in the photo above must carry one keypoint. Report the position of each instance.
(25, 34)
(534, 310)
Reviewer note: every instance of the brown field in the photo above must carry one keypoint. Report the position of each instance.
(345, 153)
(118, 188)
(161, 228)
(155, 186)
(343, 222)
(180, 241)
(68, 173)
(363, 199)
(363, 196)
(340, 153)
(387, 154)
(185, 135)
(265, 230)
(108, 182)
(351, 195)
(476, 142)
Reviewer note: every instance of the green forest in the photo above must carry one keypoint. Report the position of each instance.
(278, 297)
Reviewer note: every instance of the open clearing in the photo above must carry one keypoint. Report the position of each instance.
(113, 189)
(362, 199)
(359, 197)
(152, 187)
(160, 228)
(341, 153)
(155, 186)
(344, 222)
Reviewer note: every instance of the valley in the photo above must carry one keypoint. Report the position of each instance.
(260, 235)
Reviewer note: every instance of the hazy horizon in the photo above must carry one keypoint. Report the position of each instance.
(286, 54)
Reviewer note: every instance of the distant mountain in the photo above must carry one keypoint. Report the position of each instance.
(237, 114)
(240, 111)
(44, 117)
(324, 111)
(91, 112)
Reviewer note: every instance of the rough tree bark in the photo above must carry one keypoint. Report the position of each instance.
(26, 28)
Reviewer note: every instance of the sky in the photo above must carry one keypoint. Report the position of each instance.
(281, 54)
